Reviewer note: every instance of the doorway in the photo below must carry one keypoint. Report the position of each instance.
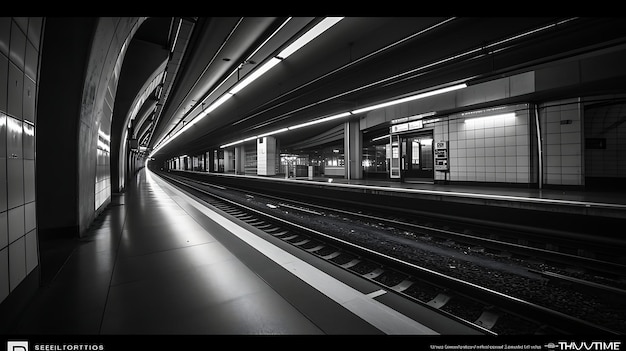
(417, 158)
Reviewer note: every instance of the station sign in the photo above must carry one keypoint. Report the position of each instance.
(441, 156)
(398, 128)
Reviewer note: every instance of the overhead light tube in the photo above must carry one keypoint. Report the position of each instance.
(273, 132)
(411, 98)
(293, 47)
(492, 117)
(254, 75)
(308, 36)
(322, 120)
(381, 137)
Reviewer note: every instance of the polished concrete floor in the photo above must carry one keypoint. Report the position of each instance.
(159, 262)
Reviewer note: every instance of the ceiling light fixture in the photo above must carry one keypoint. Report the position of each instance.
(274, 132)
(310, 123)
(307, 37)
(254, 75)
(492, 117)
(322, 120)
(370, 108)
(411, 98)
(381, 137)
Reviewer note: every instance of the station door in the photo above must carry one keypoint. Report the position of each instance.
(414, 157)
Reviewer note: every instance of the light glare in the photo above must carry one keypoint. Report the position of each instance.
(501, 116)
(254, 75)
(308, 36)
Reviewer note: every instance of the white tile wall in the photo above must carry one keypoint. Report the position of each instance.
(16, 223)
(487, 150)
(19, 55)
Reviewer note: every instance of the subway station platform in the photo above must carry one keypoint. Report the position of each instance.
(601, 203)
(159, 262)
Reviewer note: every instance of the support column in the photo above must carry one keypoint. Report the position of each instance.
(208, 161)
(353, 150)
(266, 156)
(534, 111)
(228, 161)
(240, 155)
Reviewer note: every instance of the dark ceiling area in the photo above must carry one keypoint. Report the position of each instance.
(358, 62)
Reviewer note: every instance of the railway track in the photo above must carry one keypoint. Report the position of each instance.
(600, 258)
(486, 309)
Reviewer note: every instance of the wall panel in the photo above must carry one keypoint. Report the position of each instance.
(17, 263)
(20, 40)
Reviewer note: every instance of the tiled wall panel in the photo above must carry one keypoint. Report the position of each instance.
(17, 262)
(15, 90)
(15, 182)
(487, 149)
(4, 230)
(606, 122)
(28, 141)
(3, 181)
(4, 78)
(4, 273)
(5, 35)
(17, 51)
(16, 223)
(20, 40)
(562, 142)
(30, 217)
(29, 181)
(32, 258)
(28, 100)
(30, 68)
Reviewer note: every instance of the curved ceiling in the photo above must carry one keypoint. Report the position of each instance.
(357, 62)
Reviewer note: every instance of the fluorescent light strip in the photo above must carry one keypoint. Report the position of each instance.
(215, 105)
(473, 51)
(411, 98)
(317, 121)
(502, 116)
(236, 70)
(286, 53)
(270, 37)
(344, 114)
(293, 47)
(233, 143)
(202, 114)
(254, 75)
(532, 32)
(310, 123)
(274, 132)
(308, 36)
(380, 138)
